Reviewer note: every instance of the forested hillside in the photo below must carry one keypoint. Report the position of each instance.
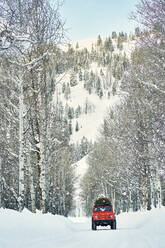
(127, 162)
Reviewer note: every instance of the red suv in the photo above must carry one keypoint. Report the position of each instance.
(103, 215)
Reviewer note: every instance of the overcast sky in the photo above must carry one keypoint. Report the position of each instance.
(88, 18)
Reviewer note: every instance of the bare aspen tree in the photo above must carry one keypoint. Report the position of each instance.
(21, 144)
(150, 14)
(28, 31)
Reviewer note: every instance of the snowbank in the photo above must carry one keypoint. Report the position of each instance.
(27, 230)
(21, 230)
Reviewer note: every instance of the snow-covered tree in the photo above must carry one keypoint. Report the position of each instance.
(29, 30)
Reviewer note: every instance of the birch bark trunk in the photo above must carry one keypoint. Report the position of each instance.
(43, 139)
(0, 182)
(21, 144)
(32, 191)
(42, 176)
(159, 188)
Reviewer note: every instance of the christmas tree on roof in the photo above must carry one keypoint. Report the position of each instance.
(102, 201)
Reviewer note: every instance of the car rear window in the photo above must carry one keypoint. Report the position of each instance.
(103, 209)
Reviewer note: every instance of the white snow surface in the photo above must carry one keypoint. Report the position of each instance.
(90, 123)
(27, 230)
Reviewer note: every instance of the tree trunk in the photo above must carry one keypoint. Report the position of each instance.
(42, 175)
(21, 144)
(0, 182)
(32, 191)
(144, 193)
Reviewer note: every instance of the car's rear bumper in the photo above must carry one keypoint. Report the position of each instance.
(103, 222)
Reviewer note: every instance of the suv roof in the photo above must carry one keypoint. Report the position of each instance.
(103, 202)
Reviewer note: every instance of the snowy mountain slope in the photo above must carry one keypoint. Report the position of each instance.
(128, 46)
(82, 44)
(89, 122)
(27, 230)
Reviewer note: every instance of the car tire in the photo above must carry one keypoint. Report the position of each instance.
(94, 227)
(113, 225)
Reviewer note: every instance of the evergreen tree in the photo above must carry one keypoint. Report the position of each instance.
(101, 73)
(108, 45)
(101, 93)
(78, 111)
(80, 75)
(70, 127)
(114, 35)
(98, 86)
(119, 43)
(70, 113)
(99, 41)
(77, 127)
(73, 79)
(63, 88)
(77, 45)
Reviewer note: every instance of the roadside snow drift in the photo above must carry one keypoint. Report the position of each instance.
(27, 230)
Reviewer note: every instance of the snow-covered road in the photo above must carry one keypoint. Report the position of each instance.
(134, 230)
